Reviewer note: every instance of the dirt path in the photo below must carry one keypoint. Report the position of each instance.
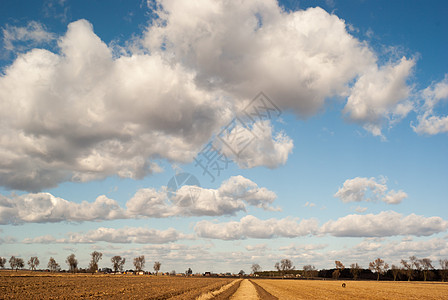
(246, 291)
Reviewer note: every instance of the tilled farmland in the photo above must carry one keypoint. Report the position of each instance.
(35, 285)
(68, 286)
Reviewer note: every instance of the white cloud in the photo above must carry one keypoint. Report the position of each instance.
(394, 197)
(258, 247)
(84, 114)
(368, 189)
(435, 247)
(309, 204)
(139, 235)
(360, 209)
(239, 187)
(234, 195)
(44, 207)
(384, 224)
(380, 96)
(262, 149)
(428, 121)
(252, 227)
(298, 58)
(33, 34)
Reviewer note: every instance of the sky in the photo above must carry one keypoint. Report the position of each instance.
(216, 134)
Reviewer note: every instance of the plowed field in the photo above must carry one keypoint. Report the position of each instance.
(37, 285)
(49, 286)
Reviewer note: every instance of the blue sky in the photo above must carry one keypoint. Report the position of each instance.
(103, 103)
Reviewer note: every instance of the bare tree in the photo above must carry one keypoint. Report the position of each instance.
(33, 262)
(2, 262)
(118, 263)
(189, 272)
(355, 269)
(407, 269)
(339, 268)
(415, 263)
(157, 267)
(379, 266)
(19, 263)
(72, 262)
(395, 271)
(139, 263)
(277, 266)
(426, 264)
(53, 265)
(444, 269)
(96, 256)
(13, 262)
(173, 273)
(16, 263)
(309, 271)
(284, 266)
(255, 268)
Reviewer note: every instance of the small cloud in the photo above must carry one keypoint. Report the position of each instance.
(360, 209)
(352, 28)
(259, 247)
(330, 3)
(309, 204)
(370, 190)
(56, 9)
(33, 34)
(429, 122)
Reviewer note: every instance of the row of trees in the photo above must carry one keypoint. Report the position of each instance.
(72, 262)
(409, 268)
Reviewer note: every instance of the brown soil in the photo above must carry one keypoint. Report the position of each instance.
(36, 285)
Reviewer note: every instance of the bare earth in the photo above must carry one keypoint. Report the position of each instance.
(246, 291)
(328, 289)
(38, 285)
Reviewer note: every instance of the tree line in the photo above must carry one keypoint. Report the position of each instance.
(414, 268)
(117, 263)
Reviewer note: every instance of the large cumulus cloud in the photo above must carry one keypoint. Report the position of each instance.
(85, 113)
(82, 115)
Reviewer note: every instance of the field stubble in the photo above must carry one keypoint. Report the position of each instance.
(329, 289)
